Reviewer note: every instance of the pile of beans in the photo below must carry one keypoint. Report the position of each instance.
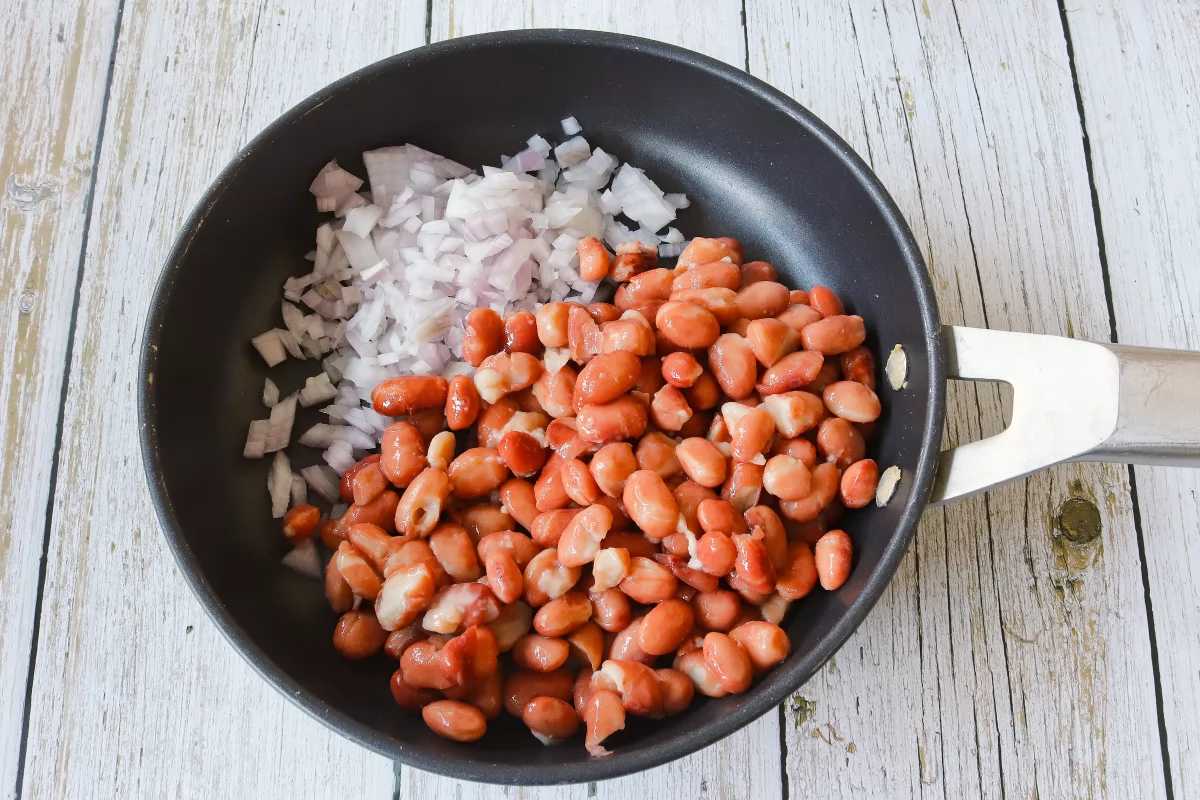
(647, 485)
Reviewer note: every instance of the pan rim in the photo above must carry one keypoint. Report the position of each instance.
(767, 695)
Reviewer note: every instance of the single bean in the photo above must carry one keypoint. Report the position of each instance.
(357, 572)
(648, 286)
(578, 482)
(771, 339)
(626, 265)
(702, 251)
(825, 302)
(408, 697)
(587, 644)
(676, 690)
(477, 472)
(550, 719)
(346, 488)
(799, 316)
(716, 553)
(421, 506)
(648, 581)
(665, 627)
(358, 635)
(372, 541)
(455, 551)
(483, 336)
(612, 465)
(480, 519)
(750, 434)
(762, 299)
(583, 335)
(833, 553)
(859, 365)
(580, 541)
(455, 720)
(504, 577)
(635, 682)
(396, 397)
(689, 495)
(681, 370)
(552, 323)
(798, 297)
(704, 680)
(650, 503)
(563, 615)
(506, 373)
(799, 574)
(852, 401)
(793, 371)
(704, 393)
(555, 391)
(669, 409)
(603, 715)
(858, 483)
(691, 580)
(415, 551)
(840, 442)
(406, 593)
(797, 447)
(834, 335)
(539, 653)
(546, 578)
(720, 515)
(623, 418)
(687, 324)
(593, 259)
(632, 332)
(829, 373)
(518, 499)
(716, 300)
(513, 622)
(717, 610)
(402, 453)
(733, 364)
(301, 520)
(462, 403)
(520, 333)
(753, 564)
(765, 643)
(337, 591)
(657, 453)
(611, 609)
(794, 412)
(493, 419)
(786, 478)
(606, 377)
(826, 480)
(609, 567)
(774, 534)
(729, 662)
(743, 487)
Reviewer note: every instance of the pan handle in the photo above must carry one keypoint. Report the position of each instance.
(1072, 401)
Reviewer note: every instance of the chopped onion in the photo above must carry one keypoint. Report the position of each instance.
(571, 126)
(270, 347)
(299, 489)
(323, 481)
(279, 430)
(256, 439)
(279, 485)
(305, 560)
(270, 394)
(317, 389)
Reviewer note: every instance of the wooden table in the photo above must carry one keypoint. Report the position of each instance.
(1047, 158)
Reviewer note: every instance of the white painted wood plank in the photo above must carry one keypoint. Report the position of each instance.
(1138, 67)
(1004, 660)
(52, 77)
(748, 760)
(136, 694)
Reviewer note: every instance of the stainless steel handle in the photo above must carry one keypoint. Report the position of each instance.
(1072, 401)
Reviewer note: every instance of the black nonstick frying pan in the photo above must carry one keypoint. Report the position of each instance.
(757, 166)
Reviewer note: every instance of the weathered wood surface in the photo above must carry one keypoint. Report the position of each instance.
(1138, 67)
(746, 764)
(136, 694)
(53, 74)
(1004, 661)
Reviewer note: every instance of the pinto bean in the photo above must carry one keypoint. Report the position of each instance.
(611, 609)
(702, 461)
(834, 335)
(716, 300)
(648, 581)
(657, 453)
(654, 284)
(859, 365)
(632, 332)
(733, 364)
(825, 302)
(771, 339)
(402, 453)
(603, 715)
(793, 371)
(687, 324)
(583, 335)
(750, 432)
(729, 662)
(623, 418)
(763, 299)
(794, 412)
(358, 635)
(580, 540)
(852, 401)
(833, 553)
(396, 397)
(825, 482)
(717, 610)
(301, 520)
(669, 409)
(650, 503)
(551, 322)
(523, 686)
(858, 483)
(799, 574)
(786, 478)
(477, 472)
(681, 370)
(455, 720)
(549, 719)
(520, 333)
(704, 393)
(765, 643)
(774, 535)
(483, 337)
(755, 271)
(743, 487)
(611, 466)
(753, 564)
(606, 377)
(506, 373)
(546, 578)
(346, 487)
(716, 553)
(799, 316)
(665, 627)
(706, 251)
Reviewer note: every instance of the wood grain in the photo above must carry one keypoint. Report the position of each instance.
(136, 694)
(52, 78)
(1138, 66)
(748, 760)
(1005, 661)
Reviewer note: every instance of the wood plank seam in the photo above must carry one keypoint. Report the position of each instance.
(1114, 336)
(62, 403)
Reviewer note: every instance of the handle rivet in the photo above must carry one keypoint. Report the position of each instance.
(1079, 520)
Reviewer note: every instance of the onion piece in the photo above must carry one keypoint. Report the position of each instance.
(270, 393)
(299, 489)
(270, 347)
(322, 480)
(304, 560)
(279, 485)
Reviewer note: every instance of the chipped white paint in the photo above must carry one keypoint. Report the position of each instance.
(136, 694)
(1004, 660)
(53, 64)
(1138, 66)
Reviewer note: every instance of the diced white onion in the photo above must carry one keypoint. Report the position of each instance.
(279, 485)
(305, 560)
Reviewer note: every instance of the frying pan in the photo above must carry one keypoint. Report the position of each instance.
(757, 166)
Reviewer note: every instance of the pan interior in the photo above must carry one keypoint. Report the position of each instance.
(755, 166)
